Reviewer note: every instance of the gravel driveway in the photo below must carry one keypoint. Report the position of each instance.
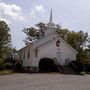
(46, 81)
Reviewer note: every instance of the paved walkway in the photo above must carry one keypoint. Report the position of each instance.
(51, 81)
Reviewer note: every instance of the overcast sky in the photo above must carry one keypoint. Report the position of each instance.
(72, 14)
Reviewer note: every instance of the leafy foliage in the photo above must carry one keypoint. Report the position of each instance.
(5, 43)
(33, 33)
(75, 39)
(5, 39)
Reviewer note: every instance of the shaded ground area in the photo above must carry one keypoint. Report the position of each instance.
(47, 65)
(46, 81)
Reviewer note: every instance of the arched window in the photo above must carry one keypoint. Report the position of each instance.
(28, 53)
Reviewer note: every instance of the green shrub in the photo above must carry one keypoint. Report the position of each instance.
(1, 64)
(8, 65)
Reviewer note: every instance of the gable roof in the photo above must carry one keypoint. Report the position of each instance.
(58, 37)
(61, 40)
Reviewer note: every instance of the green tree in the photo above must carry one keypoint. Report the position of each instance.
(89, 43)
(34, 33)
(63, 33)
(5, 39)
(41, 29)
(77, 39)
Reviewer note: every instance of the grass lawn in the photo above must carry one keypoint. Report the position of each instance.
(6, 72)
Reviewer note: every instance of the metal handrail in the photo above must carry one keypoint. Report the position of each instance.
(74, 65)
(57, 63)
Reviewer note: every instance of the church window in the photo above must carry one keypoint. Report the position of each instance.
(28, 53)
(24, 55)
(36, 52)
(20, 56)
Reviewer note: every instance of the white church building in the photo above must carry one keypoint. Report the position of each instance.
(50, 46)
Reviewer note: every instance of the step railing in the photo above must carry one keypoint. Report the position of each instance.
(60, 68)
(74, 65)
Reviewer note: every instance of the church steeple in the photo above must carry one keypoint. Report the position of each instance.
(50, 26)
(51, 18)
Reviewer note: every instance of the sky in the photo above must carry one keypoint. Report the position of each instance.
(20, 14)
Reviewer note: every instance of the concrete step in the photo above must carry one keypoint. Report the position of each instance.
(68, 70)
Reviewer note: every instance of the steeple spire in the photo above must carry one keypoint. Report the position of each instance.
(50, 26)
(51, 19)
